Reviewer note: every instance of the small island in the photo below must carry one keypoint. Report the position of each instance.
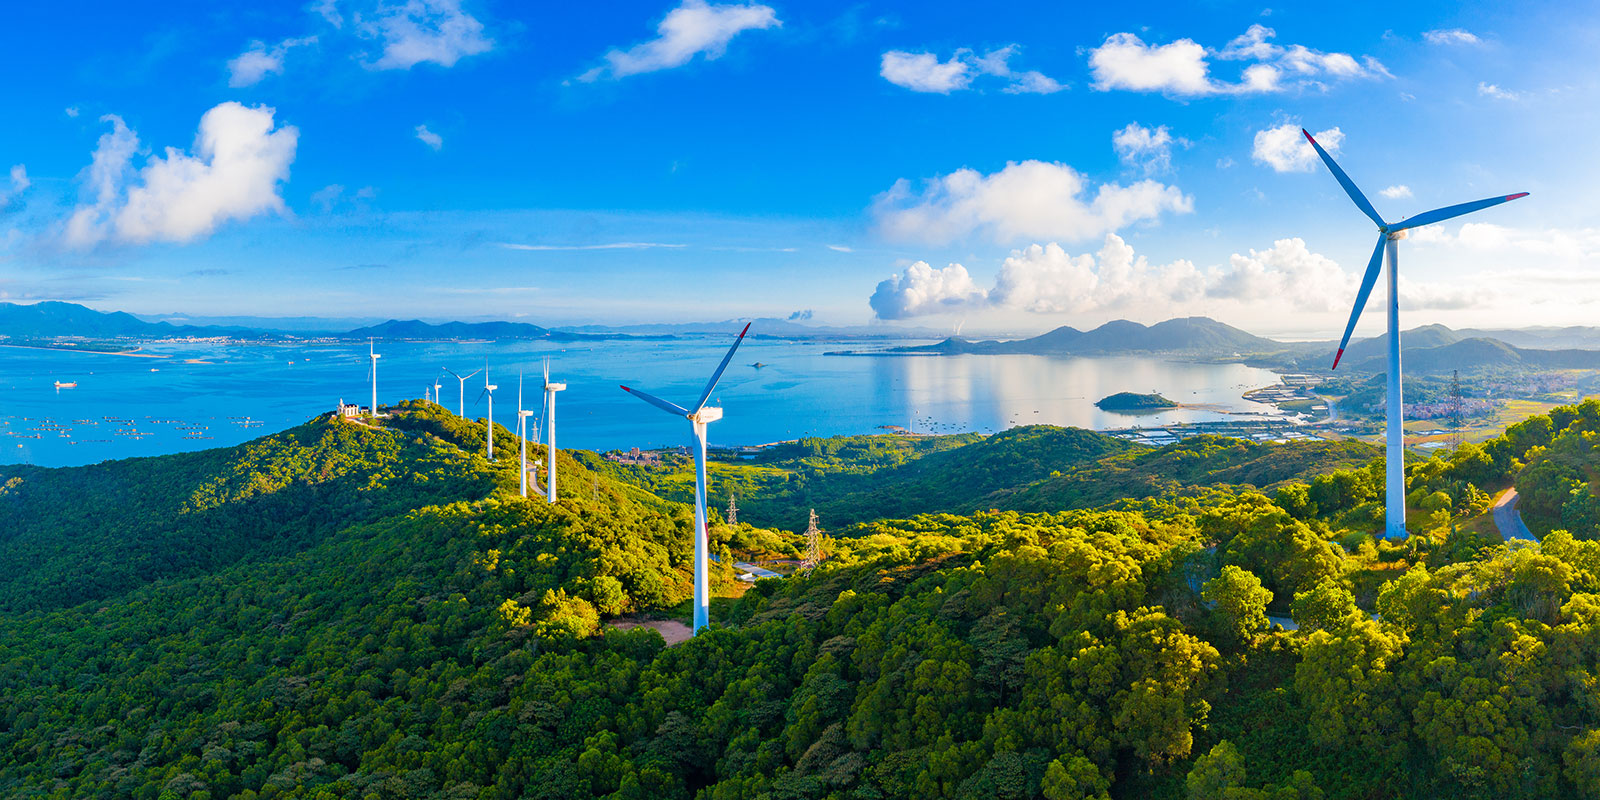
(1129, 401)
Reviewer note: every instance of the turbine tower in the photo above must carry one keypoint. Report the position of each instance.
(1389, 236)
(488, 390)
(522, 437)
(699, 418)
(372, 374)
(462, 388)
(550, 390)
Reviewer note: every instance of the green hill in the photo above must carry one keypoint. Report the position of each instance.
(1132, 401)
(413, 629)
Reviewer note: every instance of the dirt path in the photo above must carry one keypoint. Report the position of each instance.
(672, 630)
(1508, 519)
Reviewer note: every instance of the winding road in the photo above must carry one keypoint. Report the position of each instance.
(1508, 520)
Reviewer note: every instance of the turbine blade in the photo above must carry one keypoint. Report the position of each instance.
(671, 408)
(470, 374)
(1442, 214)
(1374, 266)
(716, 376)
(1344, 180)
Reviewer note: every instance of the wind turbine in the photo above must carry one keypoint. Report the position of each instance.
(437, 398)
(522, 436)
(1389, 236)
(550, 390)
(488, 389)
(463, 389)
(699, 418)
(372, 373)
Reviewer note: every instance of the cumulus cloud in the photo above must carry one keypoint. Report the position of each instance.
(693, 28)
(1491, 90)
(921, 289)
(1285, 149)
(1046, 279)
(801, 316)
(418, 31)
(924, 72)
(1450, 36)
(259, 61)
(1396, 192)
(1183, 67)
(1149, 149)
(1544, 245)
(429, 138)
(1029, 199)
(19, 183)
(239, 160)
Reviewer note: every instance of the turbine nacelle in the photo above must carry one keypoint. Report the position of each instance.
(706, 415)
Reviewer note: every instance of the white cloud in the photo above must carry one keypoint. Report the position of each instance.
(1182, 67)
(72, 111)
(1396, 192)
(925, 290)
(418, 31)
(257, 62)
(694, 27)
(1285, 149)
(239, 160)
(998, 63)
(1149, 149)
(1046, 279)
(1450, 36)
(839, 248)
(430, 138)
(1124, 61)
(1546, 246)
(924, 72)
(1030, 199)
(1491, 90)
(19, 184)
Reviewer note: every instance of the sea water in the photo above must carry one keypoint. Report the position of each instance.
(179, 396)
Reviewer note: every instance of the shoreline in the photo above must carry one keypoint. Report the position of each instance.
(134, 353)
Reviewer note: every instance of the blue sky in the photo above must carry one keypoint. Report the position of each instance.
(1014, 169)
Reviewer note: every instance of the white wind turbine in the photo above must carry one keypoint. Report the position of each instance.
(522, 437)
(462, 388)
(488, 390)
(372, 373)
(437, 398)
(698, 419)
(550, 390)
(1389, 236)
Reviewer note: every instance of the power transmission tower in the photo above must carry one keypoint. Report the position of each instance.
(1458, 420)
(813, 544)
(733, 510)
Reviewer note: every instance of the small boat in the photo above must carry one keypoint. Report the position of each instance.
(66, 385)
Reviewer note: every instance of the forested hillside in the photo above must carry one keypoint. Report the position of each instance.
(1031, 468)
(451, 640)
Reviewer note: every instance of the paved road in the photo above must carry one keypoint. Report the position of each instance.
(1509, 520)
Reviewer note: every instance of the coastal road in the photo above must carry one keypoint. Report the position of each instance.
(1508, 520)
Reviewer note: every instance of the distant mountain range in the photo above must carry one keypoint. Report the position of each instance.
(52, 319)
(1430, 348)
(55, 319)
(1198, 335)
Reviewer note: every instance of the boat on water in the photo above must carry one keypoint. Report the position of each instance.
(66, 385)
